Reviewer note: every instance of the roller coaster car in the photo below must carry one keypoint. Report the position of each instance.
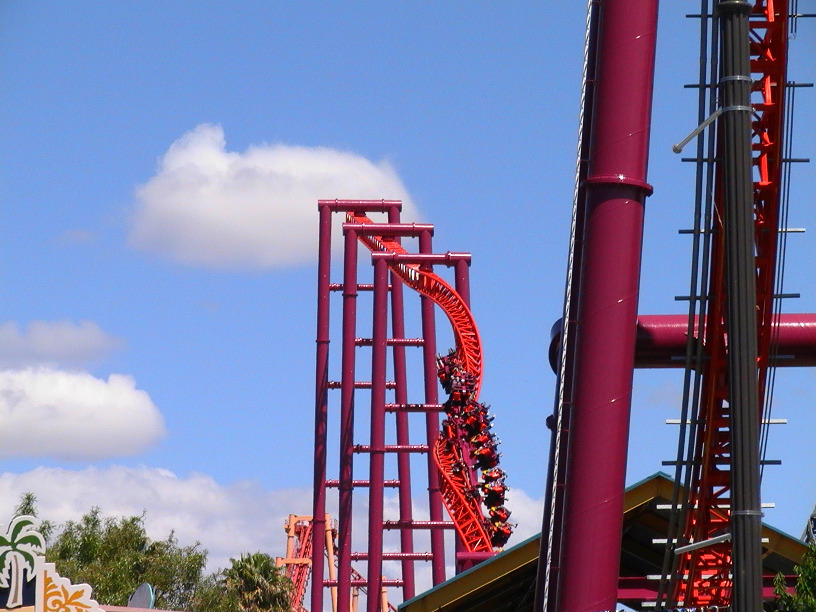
(492, 498)
(484, 438)
(495, 486)
(493, 475)
(486, 457)
(477, 422)
(499, 514)
(500, 536)
(458, 396)
(453, 410)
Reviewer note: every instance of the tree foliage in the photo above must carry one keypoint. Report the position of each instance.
(258, 584)
(115, 556)
(804, 600)
(28, 506)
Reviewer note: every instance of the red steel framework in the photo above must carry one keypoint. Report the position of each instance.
(595, 350)
(456, 455)
(704, 576)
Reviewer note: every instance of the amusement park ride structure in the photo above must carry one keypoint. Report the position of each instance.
(729, 343)
(461, 454)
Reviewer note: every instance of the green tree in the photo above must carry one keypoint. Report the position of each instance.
(114, 556)
(212, 595)
(258, 585)
(28, 507)
(804, 600)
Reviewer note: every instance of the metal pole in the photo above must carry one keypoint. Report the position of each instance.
(432, 423)
(661, 341)
(604, 356)
(377, 443)
(403, 438)
(548, 571)
(321, 408)
(347, 420)
(738, 199)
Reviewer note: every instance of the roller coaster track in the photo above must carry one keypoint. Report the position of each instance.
(454, 452)
(704, 575)
(468, 344)
(298, 558)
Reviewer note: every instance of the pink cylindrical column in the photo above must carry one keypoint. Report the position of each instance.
(347, 422)
(321, 407)
(432, 423)
(661, 341)
(377, 456)
(607, 311)
(403, 437)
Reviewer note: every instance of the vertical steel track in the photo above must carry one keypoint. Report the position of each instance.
(720, 465)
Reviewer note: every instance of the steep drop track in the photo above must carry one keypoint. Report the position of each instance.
(465, 443)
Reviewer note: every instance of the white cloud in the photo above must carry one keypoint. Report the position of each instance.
(527, 513)
(227, 520)
(63, 342)
(217, 209)
(73, 415)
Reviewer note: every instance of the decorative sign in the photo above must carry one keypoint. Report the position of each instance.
(28, 583)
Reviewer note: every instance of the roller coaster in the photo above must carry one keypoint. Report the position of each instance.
(461, 450)
(728, 345)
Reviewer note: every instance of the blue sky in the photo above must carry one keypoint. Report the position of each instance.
(170, 342)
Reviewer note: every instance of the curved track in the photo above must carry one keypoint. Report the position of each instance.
(465, 442)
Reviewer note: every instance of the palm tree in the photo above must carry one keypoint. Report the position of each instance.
(17, 550)
(258, 584)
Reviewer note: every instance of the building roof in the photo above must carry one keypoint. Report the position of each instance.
(507, 581)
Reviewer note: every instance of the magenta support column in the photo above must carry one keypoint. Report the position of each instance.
(403, 437)
(347, 381)
(432, 424)
(604, 356)
(377, 455)
(321, 408)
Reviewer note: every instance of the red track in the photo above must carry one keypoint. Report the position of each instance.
(452, 452)
(708, 570)
(297, 563)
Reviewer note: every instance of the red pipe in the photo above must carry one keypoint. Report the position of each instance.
(607, 307)
(661, 341)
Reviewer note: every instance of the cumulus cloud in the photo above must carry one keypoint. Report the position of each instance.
(218, 209)
(527, 514)
(226, 520)
(74, 415)
(59, 342)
